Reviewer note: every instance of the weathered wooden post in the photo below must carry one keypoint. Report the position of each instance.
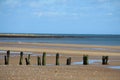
(106, 61)
(21, 58)
(38, 60)
(28, 56)
(26, 60)
(8, 55)
(85, 60)
(57, 59)
(44, 59)
(5, 57)
(68, 61)
(103, 60)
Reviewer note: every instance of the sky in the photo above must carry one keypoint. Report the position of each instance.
(60, 16)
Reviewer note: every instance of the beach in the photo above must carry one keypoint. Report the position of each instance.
(59, 39)
(76, 71)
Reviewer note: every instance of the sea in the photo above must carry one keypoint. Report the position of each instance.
(88, 39)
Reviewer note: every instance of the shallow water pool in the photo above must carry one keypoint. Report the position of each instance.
(114, 67)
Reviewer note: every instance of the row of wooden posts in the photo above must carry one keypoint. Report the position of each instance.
(43, 62)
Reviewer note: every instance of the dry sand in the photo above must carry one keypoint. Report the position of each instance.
(58, 73)
(94, 71)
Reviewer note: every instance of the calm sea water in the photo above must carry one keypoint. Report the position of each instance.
(113, 40)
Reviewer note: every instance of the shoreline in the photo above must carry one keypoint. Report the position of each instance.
(61, 44)
(82, 39)
(35, 35)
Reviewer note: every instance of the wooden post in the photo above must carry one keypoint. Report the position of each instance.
(28, 60)
(57, 59)
(68, 61)
(85, 60)
(5, 57)
(44, 59)
(38, 60)
(21, 58)
(8, 55)
(106, 61)
(28, 56)
(103, 60)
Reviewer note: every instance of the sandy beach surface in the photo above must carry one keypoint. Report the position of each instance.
(76, 71)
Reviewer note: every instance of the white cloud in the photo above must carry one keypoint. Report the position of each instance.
(43, 3)
(102, 1)
(61, 7)
(109, 14)
(50, 7)
(57, 14)
(12, 3)
(48, 13)
(87, 7)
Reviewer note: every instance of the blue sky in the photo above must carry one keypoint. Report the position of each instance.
(60, 16)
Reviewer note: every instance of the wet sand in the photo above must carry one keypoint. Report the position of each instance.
(93, 71)
(62, 48)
